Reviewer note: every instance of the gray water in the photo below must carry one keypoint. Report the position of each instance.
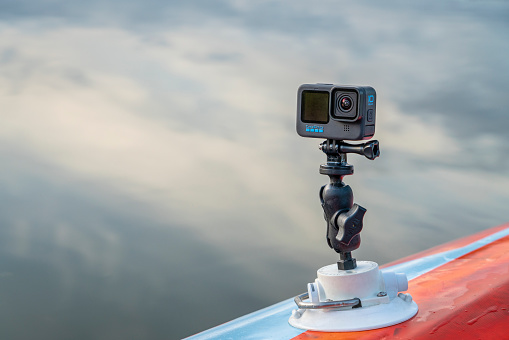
(153, 185)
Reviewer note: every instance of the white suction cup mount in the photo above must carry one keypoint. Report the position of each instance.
(353, 300)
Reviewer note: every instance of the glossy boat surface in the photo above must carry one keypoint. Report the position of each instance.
(461, 288)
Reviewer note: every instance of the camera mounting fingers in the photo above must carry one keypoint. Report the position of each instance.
(370, 150)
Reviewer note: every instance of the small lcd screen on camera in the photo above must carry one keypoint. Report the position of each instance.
(315, 107)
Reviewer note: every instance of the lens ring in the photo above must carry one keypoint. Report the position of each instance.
(345, 103)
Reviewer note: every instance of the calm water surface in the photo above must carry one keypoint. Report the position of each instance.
(153, 185)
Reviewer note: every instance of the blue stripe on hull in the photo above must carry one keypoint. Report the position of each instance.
(267, 323)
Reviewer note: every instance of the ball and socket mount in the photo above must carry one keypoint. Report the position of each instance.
(344, 218)
(352, 295)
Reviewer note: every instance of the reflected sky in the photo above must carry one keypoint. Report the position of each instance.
(153, 184)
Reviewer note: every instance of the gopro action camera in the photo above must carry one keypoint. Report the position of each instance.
(336, 112)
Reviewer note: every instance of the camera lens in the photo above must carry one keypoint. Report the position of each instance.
(345, 103)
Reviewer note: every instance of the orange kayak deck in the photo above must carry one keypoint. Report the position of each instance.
(461, 288)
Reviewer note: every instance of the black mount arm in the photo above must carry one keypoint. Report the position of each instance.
(344, 218)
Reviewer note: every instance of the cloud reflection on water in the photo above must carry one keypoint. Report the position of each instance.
(148, 150)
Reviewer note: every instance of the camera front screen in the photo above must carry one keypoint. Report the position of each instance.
(315, 107)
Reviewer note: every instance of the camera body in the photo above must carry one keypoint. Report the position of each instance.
(336, 112)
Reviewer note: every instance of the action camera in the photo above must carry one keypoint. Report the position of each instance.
(336, 112)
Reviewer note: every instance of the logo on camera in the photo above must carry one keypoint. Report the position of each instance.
(314, 128)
